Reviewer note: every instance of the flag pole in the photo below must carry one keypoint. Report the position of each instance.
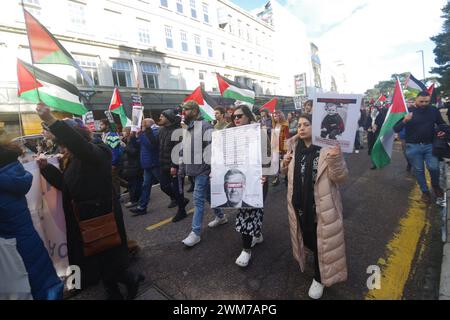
(31, 53)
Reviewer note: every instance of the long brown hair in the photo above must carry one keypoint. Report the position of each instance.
(9, 152)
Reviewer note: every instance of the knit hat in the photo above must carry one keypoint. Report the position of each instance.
(170, 115)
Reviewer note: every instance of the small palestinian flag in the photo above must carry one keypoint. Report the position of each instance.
(271, 105)
(37, 86)
(205, 102)
(116, 107)
(413, 83)
(233, 90)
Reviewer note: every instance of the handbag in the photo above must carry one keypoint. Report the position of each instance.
(441, 148)
(99, 233)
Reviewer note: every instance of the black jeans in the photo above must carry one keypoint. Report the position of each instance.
(173, 187)
(135, 188)
(309, 234)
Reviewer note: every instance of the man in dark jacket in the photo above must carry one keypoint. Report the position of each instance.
(149, 144)
(170, 182)
(420, 126)
(196, 164)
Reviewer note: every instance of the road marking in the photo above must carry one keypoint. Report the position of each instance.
(164, 222)
(401, 250)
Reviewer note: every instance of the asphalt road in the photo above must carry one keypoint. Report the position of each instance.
(375, 202)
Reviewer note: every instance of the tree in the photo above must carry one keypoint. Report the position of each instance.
(442, 52)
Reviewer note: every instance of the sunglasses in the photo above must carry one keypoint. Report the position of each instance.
(238, 116)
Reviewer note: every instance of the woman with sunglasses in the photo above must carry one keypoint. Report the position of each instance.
(249, 220)
(314, 206)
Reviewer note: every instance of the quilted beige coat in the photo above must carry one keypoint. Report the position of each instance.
(330, 227)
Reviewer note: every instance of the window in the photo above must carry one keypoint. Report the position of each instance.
(256, 37)
(164, 3)
(113, 25)
(89, 65)
(77, 12)
(35, 2)
(143, 31)
(121, 70)
(198, 47)
(180, 6)
(249, 36)
(150, 73)
(169, 39)
(193, 9)
(224, 52)
(184, 42)
(174, 78)
(230, 24)
(202, 78)
(209, 45)
(240, 33)
(205, 13)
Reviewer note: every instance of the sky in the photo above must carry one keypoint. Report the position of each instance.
(372, 38)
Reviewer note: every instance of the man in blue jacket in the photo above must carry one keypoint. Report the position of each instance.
(420, 126)
(148, 140)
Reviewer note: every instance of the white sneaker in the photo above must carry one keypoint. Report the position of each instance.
(243, 259)
(130, 204)
(316, 290)
(257, 240)
(218, 221)
(356, 151)
(191, 240)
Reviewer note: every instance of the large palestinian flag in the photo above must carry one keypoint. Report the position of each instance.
(37, 86)
(233, 90)
(45, 49)
(205, 102)
(382, 150)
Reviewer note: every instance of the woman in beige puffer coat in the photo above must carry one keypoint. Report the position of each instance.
(315, 208)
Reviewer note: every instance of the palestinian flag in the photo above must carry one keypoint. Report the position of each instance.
(45, 49)
(233, 90)
(116, 107)
(270, 105)
(413, 83)
(205, 102)
(382, 150)
(432, 91)
(37, 86)
(382, 98)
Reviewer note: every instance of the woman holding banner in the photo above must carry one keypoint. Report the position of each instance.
(25, 264)
(88, 197)
(315, 208)
(249, 220)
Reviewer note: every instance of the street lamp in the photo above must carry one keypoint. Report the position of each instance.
(423, 63)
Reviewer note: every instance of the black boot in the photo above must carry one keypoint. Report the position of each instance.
(132, 282)
(113, 292)
(180, 215)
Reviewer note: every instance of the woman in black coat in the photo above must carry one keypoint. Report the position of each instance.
(86, 180)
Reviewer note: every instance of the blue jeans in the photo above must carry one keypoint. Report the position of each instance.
(202, 193)
(417, 154)
(149, 175)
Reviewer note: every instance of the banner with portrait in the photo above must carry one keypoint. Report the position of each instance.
(236, 169)
(335, 120)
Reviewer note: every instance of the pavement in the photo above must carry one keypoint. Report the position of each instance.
(444, 288)
(387, 227)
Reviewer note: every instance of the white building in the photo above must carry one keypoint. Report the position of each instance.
(167, 46)
(297, 55)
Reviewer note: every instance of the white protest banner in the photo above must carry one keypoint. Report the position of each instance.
(88, 119)
(335, 120)
(45, 205)
(236, 168)
(136, 118)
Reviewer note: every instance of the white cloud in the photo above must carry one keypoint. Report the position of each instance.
(374, 38)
